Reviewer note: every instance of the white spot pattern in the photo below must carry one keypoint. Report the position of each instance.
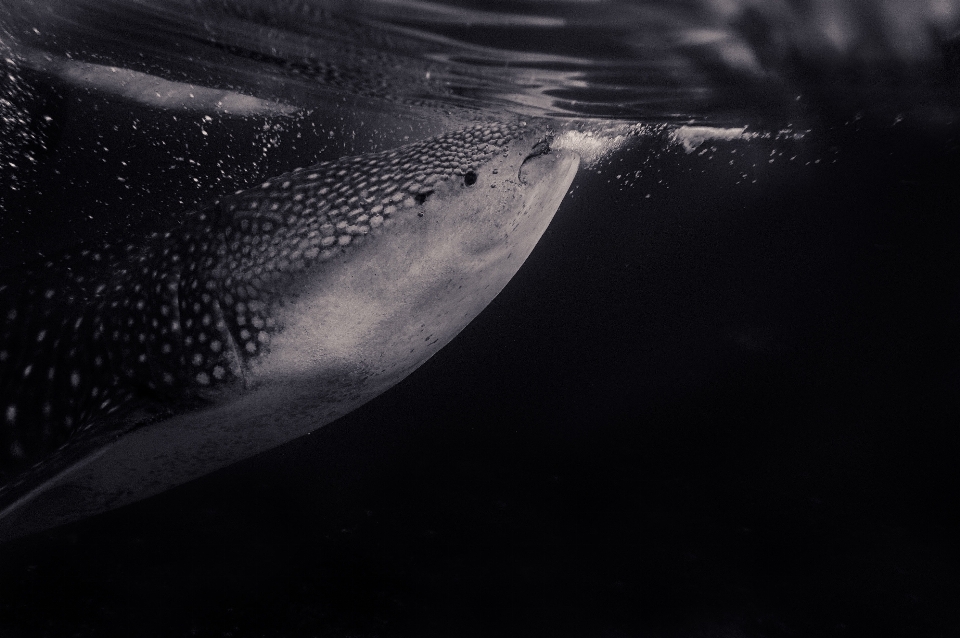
(175, 312)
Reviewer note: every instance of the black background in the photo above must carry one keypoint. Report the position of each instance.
(728, 409)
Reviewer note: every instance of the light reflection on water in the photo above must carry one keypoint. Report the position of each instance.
(647, 60)
(212, 96)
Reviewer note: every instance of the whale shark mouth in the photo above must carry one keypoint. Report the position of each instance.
(542, 147)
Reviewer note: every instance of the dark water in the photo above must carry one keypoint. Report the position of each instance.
(720, 399)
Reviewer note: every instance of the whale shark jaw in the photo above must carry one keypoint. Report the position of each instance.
(424, 257)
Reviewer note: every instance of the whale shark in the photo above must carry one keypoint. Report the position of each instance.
(130, 367)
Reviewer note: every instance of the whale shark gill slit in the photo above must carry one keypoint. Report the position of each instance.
(128, 368)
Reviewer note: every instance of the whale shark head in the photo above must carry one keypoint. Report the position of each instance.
(260, 318)
(426, 256)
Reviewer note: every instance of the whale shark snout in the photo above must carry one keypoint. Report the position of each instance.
(131, 368)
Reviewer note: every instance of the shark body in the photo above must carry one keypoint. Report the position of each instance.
(127, 369)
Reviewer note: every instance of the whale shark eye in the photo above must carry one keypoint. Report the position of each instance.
(470, 178)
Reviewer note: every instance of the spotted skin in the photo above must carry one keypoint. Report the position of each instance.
(185, 313)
